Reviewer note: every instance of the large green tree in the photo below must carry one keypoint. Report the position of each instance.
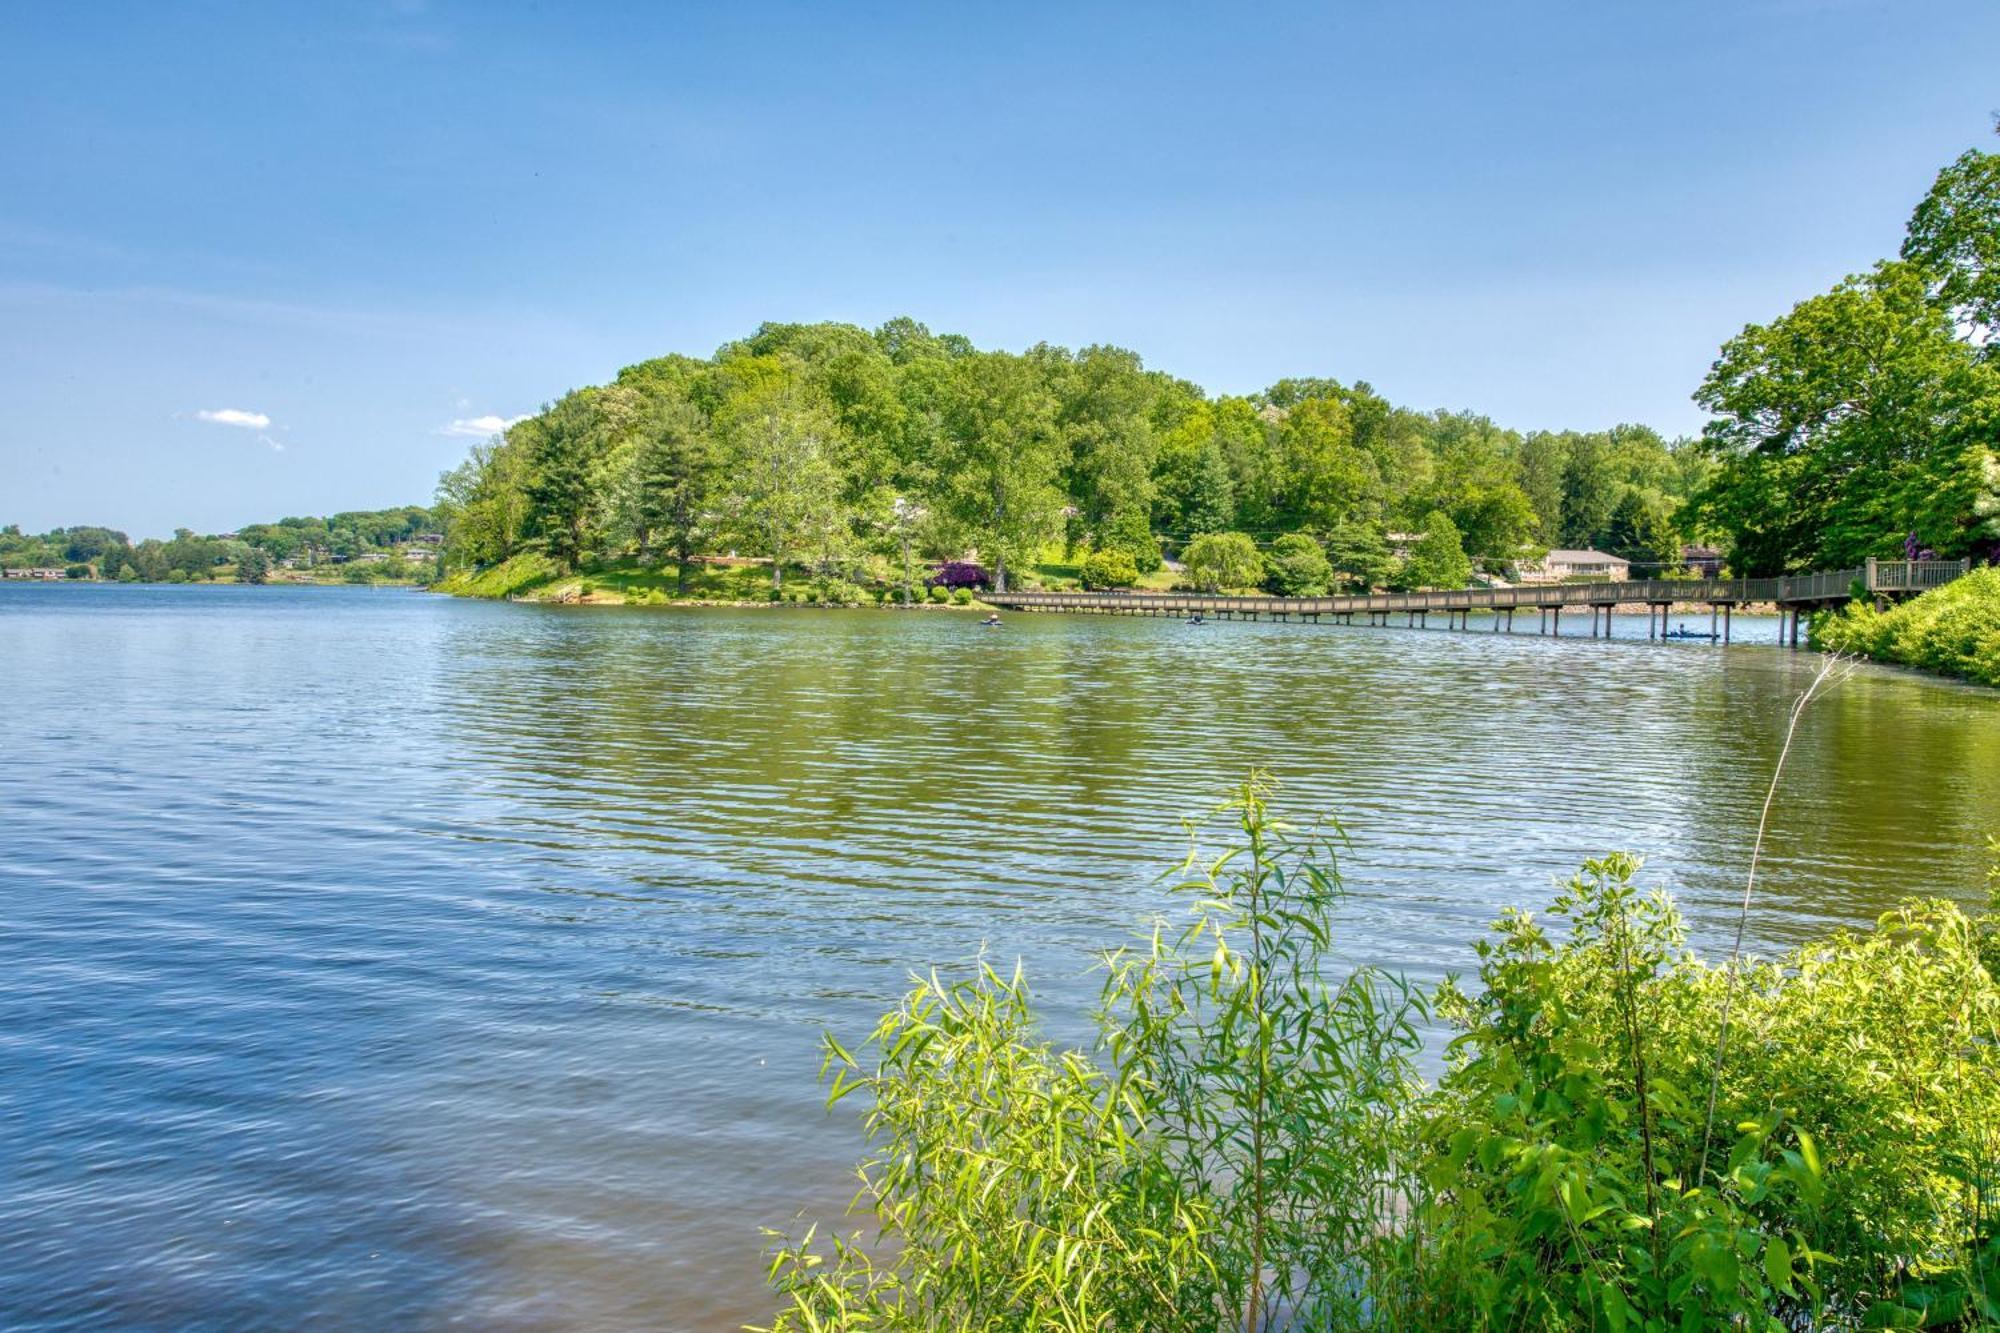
(1003, 458)
(564, 444)
(676, 470)
(782, 448)
(1438, 558)
(1859, 417)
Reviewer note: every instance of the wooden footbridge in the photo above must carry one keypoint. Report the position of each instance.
(1795, 596)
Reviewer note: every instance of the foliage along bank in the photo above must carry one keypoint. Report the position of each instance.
(359, 546)
(1860, 416)
(1873, 410)
(1626, 1136)
(1954, 630)
(846, 452)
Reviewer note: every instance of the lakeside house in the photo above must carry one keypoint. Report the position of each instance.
(45, 574)
(1703, 560)
(1560, 566)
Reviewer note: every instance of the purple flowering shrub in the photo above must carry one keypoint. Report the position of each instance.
(956, 574)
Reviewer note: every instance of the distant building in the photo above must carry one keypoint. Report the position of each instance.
(1401, 542)
(1558, 566)
(1703, 560)
(45, 574)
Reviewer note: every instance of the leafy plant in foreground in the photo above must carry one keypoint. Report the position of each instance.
(1247, 1147)
(1218, 1162)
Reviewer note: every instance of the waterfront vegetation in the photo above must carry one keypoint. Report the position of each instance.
(837, 453)
(1954, 629)
(1625, 1136)
(359, 546)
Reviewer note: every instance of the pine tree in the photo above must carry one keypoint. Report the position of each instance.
(675, 472)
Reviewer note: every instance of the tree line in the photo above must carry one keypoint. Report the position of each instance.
(819, 446)
(250, 553)
(1863, 418)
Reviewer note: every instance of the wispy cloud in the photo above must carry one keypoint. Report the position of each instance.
(235, 416)
(478, 428)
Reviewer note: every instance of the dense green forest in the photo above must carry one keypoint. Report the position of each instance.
(1861, 417)
(828, 447)
(366, 545)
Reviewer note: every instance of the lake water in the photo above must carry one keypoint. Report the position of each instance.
(372, 958)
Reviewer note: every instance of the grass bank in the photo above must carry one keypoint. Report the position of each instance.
(534, 577)
(1954, 629)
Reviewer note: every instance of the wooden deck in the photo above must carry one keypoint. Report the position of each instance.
(1794, 596)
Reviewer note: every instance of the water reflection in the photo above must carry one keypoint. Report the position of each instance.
(378, 957)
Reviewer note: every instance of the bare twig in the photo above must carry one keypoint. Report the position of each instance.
(1835, 669)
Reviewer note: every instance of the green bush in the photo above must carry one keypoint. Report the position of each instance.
(776, 594)
(1954, 629)
(837, 592)
(1247, 1146)
(1297, 567)
(799, 597)
(1219, 560)
(961, 596)
(940, 594)
(1114, 568)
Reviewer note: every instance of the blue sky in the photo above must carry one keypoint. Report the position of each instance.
(256, 260)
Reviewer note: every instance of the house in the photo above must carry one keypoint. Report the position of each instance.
(1568, 566)
(1703, 560)
(43, 574)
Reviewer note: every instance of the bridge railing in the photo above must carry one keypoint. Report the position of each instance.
(1821, 587)
(1913, 575)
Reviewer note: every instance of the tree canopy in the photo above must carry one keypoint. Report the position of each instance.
(813, 444)
(1871, 413)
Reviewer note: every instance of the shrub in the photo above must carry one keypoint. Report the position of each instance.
(799, 597)
(76, 571)
(1109, 569)
(1297, 568)
(940, 593)
(776, 594)
(1247, 1145)
(1954, 629)
(1219, 560)
(837, 592)
(961, 596)
(960, 574)
(1234, 1124)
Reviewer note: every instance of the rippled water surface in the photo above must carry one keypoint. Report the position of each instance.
(371, 957)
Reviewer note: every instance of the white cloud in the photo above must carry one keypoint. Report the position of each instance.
(235, 416)
(478, 428)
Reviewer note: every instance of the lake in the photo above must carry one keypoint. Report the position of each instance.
(376, 958)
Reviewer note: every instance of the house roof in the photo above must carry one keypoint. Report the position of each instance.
(1585, 557)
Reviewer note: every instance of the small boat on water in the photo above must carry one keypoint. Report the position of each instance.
(1691, 634)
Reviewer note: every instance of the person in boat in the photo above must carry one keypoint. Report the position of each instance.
(992, 619)
(1195, 619)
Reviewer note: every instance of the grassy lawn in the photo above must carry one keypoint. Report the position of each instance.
(616, 583)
